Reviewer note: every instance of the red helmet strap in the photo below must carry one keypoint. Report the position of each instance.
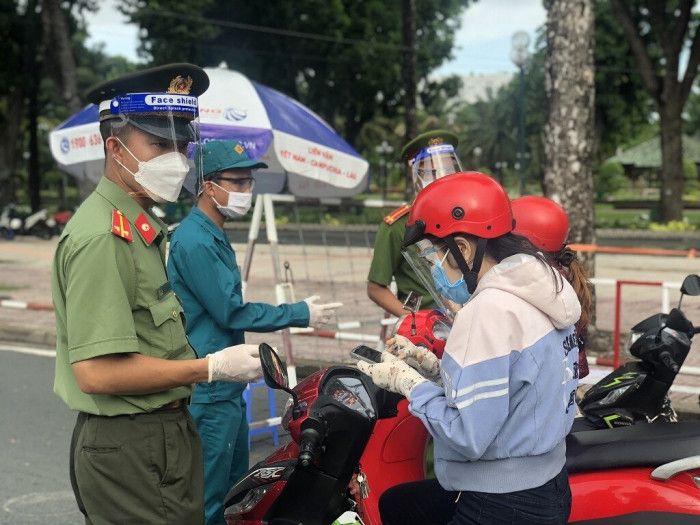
(470, 274)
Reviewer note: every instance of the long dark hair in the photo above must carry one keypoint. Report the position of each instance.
(575, 272)
(510, 244)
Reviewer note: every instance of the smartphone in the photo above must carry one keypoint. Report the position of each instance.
(365, 353)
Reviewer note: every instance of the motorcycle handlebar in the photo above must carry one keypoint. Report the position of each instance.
(310, 439)
(668, 360)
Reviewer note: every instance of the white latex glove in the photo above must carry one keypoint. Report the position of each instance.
(427, 362)
(320, 314)
(394, 375)
(240, 363)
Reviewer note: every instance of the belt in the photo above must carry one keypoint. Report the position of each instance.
(173, 405)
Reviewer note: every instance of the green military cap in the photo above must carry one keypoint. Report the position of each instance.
(160, 100)
(425, 140)
(222, 155)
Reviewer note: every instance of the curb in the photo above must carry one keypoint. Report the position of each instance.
(21, 335)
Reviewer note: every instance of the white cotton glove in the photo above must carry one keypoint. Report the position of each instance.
(320, 314)
(240, 364)
(428, 363)
(394, 375)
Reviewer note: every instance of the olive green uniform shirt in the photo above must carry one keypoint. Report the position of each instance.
(388, 261)
(111, 296)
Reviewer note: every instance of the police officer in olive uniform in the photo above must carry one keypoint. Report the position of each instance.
(428, 157)
(122, 358)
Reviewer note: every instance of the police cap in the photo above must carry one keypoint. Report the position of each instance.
(127, 97)
(425, 140)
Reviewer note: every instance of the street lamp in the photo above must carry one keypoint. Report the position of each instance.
(520, 56)
(477, 151)
(384, 150)
(500, 165)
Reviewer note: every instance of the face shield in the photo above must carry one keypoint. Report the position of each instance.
(170, 126)
(432, 163)
(428, 260)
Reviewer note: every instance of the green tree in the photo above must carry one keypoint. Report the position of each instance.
(622, 106)
(692, 115)
(45, 70)
(690, 176)
(658, 33)
(569, 131)
(342, 58)
(14, 21)
(609, 178)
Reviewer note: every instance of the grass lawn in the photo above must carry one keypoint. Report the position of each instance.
(606, 216)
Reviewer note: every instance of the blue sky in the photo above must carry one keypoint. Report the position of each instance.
(482, 43)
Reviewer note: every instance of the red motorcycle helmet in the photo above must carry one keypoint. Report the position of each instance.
(427, 328)
(541, 221)
(466, 202)
(463, 203)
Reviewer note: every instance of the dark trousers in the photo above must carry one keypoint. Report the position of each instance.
(145, 468)
(427, 503)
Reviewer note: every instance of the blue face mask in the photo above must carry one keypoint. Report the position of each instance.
(456, 292)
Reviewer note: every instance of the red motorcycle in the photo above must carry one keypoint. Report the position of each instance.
(342, 425)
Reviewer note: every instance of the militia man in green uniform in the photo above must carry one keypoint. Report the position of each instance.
(122, 358)
(428, 157)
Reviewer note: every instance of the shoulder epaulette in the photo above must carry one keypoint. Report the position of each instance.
(146, 230)
(120, 226)
(397, 214)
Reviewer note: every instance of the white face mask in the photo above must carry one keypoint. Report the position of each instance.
(162, 176)
(238, 203)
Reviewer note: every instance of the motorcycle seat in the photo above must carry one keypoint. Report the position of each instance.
(643, 445)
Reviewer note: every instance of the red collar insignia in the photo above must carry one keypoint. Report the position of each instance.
(120, 226)
(145, 229)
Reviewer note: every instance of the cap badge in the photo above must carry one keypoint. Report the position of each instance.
(180, 86)
(239, 149)
(435, 141)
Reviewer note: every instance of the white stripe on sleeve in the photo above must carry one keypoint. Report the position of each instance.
(480, 384)
(484, 395)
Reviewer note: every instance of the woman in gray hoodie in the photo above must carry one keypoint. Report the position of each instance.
(507, 399)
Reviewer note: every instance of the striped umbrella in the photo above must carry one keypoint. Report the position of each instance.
(306, 157)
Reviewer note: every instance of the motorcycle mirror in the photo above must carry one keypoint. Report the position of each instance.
(273, 370)
(275, 374)
(691, 285)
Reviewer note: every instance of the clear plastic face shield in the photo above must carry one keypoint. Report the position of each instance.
(443, 280)
(432, 163)
(162, 150)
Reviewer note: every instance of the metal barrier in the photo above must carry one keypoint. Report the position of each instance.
(665, 306)
(628, 250)
(618, 313)
(22, 305)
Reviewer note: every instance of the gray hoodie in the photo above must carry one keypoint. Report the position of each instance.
(510, 372)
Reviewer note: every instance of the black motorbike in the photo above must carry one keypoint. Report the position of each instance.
(637, 392)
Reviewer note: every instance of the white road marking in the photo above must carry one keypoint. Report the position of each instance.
(26, 502)
(27, 350)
